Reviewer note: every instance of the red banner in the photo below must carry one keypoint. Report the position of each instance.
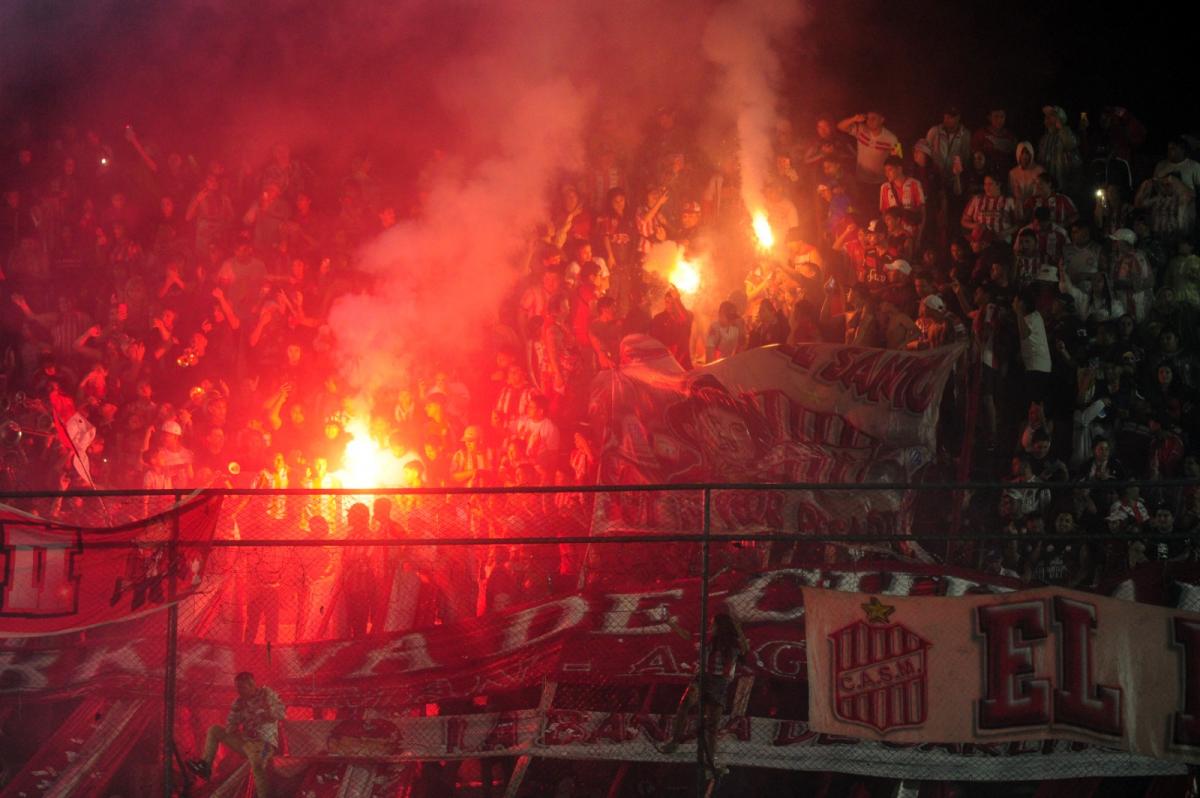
(60, 578)
(613, 636)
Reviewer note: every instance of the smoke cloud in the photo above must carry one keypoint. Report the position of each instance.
(441, 276)
(542, 93)
(508, 94)
(741, 39)
(523, 100)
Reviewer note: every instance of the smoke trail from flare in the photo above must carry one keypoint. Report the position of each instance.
(522, 106)
(441, 276)
(740, 39)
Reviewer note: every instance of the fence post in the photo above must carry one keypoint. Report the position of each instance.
(172, 656)
(701, 744)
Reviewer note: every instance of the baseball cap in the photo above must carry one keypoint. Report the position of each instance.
(898, 265)
(935, 303)
(691, 207)
(172, 428)
(1055, 110)
(1125, 235)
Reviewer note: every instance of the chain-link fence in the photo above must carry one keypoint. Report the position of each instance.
(633, 641)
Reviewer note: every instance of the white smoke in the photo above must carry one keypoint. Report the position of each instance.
(741, 39)
(524, 95)
(442, 276)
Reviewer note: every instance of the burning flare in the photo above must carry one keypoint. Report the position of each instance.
(685, 276)
(366, 464)
(762, 231)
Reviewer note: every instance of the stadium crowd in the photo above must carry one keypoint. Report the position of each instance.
(167, 314)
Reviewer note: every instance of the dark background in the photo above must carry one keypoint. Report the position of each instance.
(218, 69)
(915, 57)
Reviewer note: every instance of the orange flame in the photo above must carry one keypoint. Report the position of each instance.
(685, 276)
(366, 464)
(762, 230)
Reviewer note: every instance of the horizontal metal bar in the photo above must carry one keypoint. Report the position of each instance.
(717, 538)
(558, 489)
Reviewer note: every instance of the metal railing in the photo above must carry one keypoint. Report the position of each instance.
(271, 572)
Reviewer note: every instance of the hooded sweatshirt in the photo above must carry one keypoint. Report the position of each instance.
(1022, 182)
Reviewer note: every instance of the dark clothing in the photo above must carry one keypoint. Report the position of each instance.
(774, 332)
(675, 334)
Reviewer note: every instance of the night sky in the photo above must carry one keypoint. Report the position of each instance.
(191, 64)
(918, 56)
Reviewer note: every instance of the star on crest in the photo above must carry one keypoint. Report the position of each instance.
(877, 612)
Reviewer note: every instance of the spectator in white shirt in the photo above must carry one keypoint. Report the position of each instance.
(726, 336)
(1177, 163)
(1093, 299)
(875, 144)
(1035, 347)
(1083, 257)
(1132, 277)
(1022, 178)
(541, 437)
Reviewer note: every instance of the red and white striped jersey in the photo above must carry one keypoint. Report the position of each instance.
(994, 213)
(1062, 210)
(513, 403)
(873, 150)
(650, 230)
(1052, 241)
(907, 194)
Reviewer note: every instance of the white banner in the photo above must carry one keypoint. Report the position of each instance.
(990, 669)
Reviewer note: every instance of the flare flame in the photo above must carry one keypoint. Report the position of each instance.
(762, 231)
(366, 464)
(685, 276)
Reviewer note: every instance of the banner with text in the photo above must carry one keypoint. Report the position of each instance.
(745, 741)
(626, 641)
(808, 413)
(58, 578)
(812, 413)
(606, 634)
(983, 669)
